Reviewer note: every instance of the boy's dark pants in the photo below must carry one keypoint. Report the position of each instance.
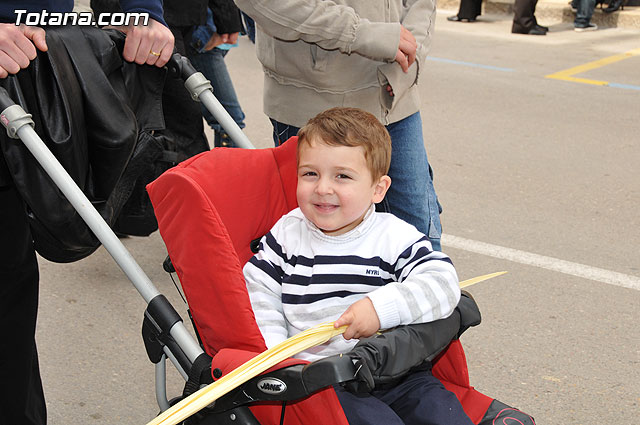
(21, 396)
(420, 399)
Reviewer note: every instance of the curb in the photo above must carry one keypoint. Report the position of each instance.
(557, 11)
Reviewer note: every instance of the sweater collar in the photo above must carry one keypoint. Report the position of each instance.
(360, 229)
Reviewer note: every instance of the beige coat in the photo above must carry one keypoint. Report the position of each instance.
(317, 54)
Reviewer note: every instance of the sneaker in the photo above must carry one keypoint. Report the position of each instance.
(588, 27)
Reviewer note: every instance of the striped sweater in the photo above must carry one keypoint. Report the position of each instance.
(301, 277)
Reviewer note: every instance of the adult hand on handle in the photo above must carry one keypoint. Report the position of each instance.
(151, 44)
(18, 47)
(406, 54)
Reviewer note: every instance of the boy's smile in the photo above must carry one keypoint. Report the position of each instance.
(335, 186)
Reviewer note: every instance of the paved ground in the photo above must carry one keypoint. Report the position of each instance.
(537, 176)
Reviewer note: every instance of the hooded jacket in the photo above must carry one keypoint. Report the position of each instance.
(317, 54)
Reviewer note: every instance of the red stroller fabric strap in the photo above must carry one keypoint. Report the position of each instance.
(451, 369)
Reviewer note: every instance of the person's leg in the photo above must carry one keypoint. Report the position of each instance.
(523, 16)
(250, 27)
(363, 409)
(182, 115)
(421, 399)
(584, 13)
(282, 132)
(470, 9)
(21, 396)
(213, 67)
(412, 196)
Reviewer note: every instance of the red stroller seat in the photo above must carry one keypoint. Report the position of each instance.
(209, 210)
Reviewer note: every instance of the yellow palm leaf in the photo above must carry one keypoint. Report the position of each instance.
(479, 279)
(207, 395)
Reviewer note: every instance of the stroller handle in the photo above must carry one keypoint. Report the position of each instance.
(5, 100)
(201, 90)
(19, 125)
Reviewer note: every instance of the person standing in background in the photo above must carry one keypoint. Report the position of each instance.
(319, 54)
(469, 11)
(209, 45)
(524, 19)
(584, 13)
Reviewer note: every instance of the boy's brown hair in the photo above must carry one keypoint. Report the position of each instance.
(351, 127)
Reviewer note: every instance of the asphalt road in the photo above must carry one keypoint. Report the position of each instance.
(537, 176)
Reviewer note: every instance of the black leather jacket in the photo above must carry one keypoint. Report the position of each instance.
(91, 109)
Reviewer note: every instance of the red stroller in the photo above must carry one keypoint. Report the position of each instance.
(208, 230)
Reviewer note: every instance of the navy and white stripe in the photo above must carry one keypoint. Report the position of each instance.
(301, 277)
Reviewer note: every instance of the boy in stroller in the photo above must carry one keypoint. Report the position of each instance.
(336, 258)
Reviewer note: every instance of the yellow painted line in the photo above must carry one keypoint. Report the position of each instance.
(568, 77)
(568, 74)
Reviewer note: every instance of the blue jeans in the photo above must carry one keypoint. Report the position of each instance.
(412, 196)
(584, 13)
(211, 64)
(250, 27)
(420, 399)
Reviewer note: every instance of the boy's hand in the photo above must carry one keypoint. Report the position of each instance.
(361, 320)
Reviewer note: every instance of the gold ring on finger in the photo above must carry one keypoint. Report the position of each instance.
(151, 52)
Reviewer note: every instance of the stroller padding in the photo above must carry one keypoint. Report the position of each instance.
(451, 369)
(208, 236)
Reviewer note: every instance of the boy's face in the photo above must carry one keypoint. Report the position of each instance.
(335, 186)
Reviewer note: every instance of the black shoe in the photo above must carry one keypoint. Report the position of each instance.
(456, 18)
(541, 27)
(615, 5)
(536, 31)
